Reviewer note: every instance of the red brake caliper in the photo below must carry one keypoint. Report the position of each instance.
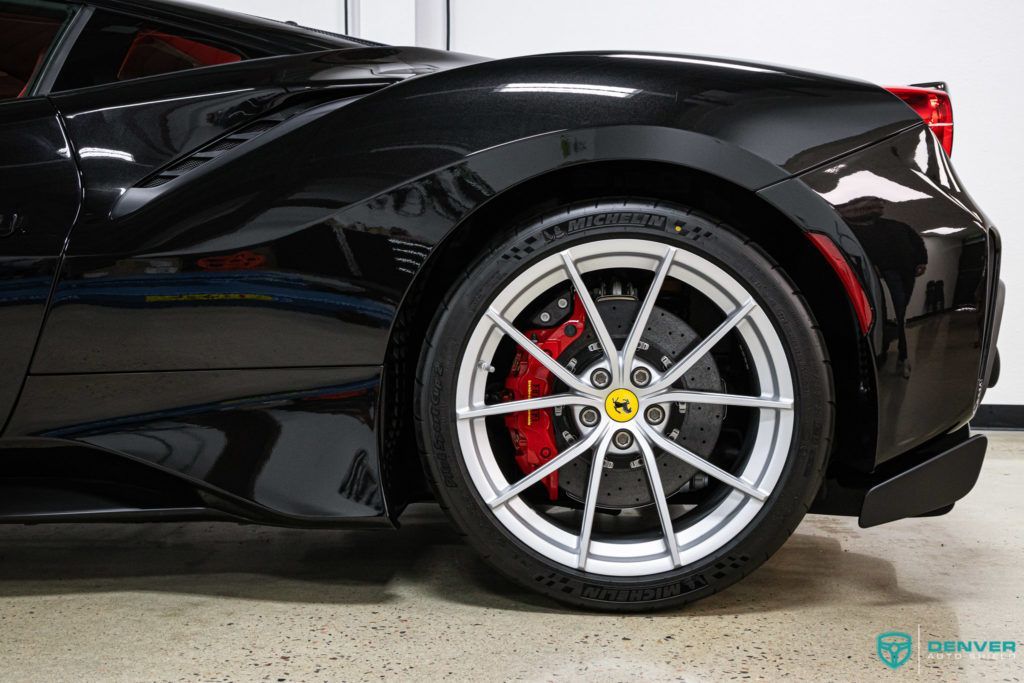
(532, 431)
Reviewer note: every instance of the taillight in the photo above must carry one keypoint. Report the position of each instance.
(932, 105)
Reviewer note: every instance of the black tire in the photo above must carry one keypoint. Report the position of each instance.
(466, 302)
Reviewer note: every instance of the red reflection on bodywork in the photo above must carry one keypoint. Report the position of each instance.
(851, 283)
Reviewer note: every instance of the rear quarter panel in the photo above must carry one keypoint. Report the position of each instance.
(927, 250)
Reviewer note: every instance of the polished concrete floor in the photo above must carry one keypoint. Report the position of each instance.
(217, 602)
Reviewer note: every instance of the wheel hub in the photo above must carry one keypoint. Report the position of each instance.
(622, 405)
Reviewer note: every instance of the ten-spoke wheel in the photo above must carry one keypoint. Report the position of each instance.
(615, 415)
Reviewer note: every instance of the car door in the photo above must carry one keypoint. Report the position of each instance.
(40, 191)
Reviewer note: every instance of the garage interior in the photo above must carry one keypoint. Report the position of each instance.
(221, 601)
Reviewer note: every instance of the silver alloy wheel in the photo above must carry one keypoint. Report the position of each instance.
(750, 487)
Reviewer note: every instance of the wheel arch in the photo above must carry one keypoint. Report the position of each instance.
(743, 209)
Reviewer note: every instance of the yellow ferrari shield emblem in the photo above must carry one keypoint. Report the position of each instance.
(621, 405)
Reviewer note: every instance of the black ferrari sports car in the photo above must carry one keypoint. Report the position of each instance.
(627, 316)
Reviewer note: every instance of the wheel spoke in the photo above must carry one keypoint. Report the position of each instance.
(699, 351)
(590, 506)
(560, 460)
(527, 404)
(553, 366)
(767, 402)
(593, 317)
(640, 324)
(703, 465)
(658, 491)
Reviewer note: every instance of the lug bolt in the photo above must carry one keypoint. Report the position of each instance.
(600, 378)
(545, 317)
(589, 417)
(622, 439)
(655, 414)
(641, 377)
(563, 303)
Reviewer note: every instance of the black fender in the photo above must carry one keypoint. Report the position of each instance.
(345, 204)
(792, 119)
(439, 207)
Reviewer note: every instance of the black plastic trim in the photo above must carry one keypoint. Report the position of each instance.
(936, 483)
(59, 55)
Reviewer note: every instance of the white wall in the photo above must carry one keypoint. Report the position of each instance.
(386, 21)
(973, 45)
(326, 14)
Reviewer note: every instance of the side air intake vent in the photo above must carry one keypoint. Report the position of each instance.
(213, 150)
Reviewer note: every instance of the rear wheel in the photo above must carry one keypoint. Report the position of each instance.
(624, 405)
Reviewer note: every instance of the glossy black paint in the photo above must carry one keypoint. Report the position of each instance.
(927, 254)
(39, 199)
(123, 132)
(298, 443)
(228, 327)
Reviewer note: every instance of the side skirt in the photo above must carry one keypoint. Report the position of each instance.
(296, 446)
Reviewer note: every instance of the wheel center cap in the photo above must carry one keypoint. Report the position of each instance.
(622, 405)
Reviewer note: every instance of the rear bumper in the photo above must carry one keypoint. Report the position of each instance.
(925, 482)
